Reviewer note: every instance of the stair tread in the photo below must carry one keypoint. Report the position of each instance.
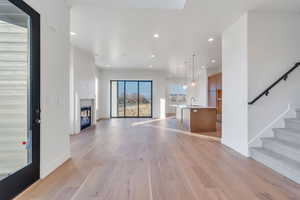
(280, 158)
(283, 142)
(293, 120)
(287, 130)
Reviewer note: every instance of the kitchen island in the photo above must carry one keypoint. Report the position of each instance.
(198, 119)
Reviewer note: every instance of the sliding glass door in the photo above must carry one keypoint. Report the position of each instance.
(131, 99)
(19, 97)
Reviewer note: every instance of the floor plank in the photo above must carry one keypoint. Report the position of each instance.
(136, 159)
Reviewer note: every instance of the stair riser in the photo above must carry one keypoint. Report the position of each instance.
(292, 125)
(288, 138)
(276, 166)
(282, 150)
(298, 114)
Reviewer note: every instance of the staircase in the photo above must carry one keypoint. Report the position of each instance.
(13, 98)
(282, 152)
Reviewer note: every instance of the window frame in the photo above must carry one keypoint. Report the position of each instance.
(138, 104)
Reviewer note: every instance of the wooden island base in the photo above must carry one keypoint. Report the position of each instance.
(200, 120)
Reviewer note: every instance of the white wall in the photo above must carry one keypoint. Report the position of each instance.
(257, 50)
(84, 82)
(159, 88)
(55, 126)
(214, 70)
(200, 91)
(235, 86)
(274, 47)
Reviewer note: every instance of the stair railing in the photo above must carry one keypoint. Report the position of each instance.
(266, 92)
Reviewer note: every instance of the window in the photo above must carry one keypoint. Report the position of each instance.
(177, 95)
(131, 99)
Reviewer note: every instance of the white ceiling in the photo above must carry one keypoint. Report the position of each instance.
(120, 32)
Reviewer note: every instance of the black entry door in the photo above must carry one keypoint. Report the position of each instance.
(19, 97)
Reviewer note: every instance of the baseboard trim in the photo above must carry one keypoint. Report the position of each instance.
(54, 165)
(102, 118)
(244, 152)
(270, 126)
(30, 188)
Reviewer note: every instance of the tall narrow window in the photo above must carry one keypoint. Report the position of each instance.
(131, 99)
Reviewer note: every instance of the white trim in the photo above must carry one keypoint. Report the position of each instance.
(46, 170)
(270, 125)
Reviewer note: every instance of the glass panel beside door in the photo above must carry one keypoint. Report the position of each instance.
(131, 99)
(19, 97)
(14, 135)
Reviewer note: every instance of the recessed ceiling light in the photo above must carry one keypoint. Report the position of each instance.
(213, 61)
(150, 66)
(211, 39)
(203, 67)
(73, 33)
(156, 35)
(153, 56)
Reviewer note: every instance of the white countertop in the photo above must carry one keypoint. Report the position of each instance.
(192, 107)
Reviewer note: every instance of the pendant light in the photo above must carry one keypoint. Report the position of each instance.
(185, 85)
(193, 84)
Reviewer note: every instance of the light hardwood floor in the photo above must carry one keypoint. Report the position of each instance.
(123, 160)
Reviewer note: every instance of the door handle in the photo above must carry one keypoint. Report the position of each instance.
(37, 116)
(37, 121)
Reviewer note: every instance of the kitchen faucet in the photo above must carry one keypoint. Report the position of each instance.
(193, 99)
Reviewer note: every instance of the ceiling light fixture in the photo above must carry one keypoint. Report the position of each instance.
(213, 61)
(156, 35)
(203, 67)
(211, 39)
(150, 66)
(73, 33)
(153, 56)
